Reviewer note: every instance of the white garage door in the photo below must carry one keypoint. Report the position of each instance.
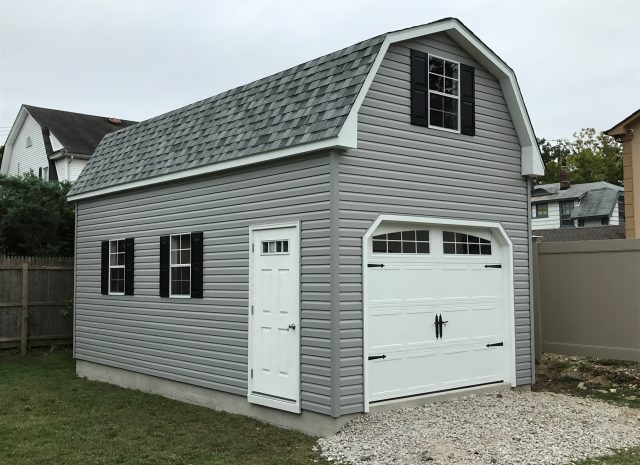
(435, 309)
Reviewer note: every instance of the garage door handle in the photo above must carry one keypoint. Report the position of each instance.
(493, 266)
(376, 357)
(375, 265)
(496, 344)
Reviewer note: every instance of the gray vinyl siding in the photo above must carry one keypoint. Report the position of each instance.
(204, 341)
(403, 169)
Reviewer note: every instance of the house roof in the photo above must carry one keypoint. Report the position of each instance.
(600, 202)
(309, 107)
(620, 129)
(594, 233)
(78, 133)
(552, 192)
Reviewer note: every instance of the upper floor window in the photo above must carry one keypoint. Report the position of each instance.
(604, 221)
(28, 142)
(180, 265)
(454, 243)
(621, 210)
(444, 99)
(542, 210)
(413, 242)
(566, 209)
(116, 267)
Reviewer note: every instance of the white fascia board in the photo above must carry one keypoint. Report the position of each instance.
(334, 142)
(532, 164)
(13, 133)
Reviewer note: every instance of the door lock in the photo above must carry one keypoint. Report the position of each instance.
(292, 326)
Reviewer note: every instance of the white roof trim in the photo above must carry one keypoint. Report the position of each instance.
(532, 164)
(13, 133)
(220, 166)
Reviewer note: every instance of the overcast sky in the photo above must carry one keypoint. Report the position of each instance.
(577, 62)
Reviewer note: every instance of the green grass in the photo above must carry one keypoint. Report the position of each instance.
(627, 457)
(48, 416)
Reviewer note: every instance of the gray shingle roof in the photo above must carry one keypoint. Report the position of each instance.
(78, 133)
(594, 233)
(599, 202)
(307, 103)
(551, 192)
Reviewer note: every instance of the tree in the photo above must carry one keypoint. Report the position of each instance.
(35, 217)
(589, 157)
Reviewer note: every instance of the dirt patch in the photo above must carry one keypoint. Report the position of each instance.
(613, 380)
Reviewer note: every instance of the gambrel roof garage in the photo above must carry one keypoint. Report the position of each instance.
(310, 245)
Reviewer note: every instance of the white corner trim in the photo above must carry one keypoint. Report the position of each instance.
(220, 166)
(510, 335)
(532, 164)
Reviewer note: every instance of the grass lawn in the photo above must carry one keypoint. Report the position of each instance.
(48, 416)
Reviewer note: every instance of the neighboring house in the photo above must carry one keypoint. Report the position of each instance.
(576, 205)
(301, 248)
(54, 144)
(627, 131)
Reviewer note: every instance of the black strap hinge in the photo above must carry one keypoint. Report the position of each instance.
(497, 344)
(375, 265)
(493, 266)
(376, 357)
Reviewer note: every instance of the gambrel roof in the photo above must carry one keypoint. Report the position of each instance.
(309, 107)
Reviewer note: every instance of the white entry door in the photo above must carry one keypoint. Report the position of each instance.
(274, 317)
(435, 309)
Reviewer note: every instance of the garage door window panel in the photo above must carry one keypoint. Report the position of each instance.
(455, 243)
(402, 242)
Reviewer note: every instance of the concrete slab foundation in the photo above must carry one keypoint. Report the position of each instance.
(310, 423)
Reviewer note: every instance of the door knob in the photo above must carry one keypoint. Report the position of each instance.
(292, 326)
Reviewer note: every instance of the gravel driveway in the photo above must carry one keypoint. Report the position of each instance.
(510, 427)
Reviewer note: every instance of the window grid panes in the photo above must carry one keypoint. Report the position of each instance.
(411, 242)
(454, 243)
(621, 210)
(180, 254)
(443, 93)
(116, 266)
(542, 210)
(566, 209)
(275, 247)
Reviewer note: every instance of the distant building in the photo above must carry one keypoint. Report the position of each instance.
(624, 132)
(562, 205)
(54, 144)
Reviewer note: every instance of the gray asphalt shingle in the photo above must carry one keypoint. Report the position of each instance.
(307, 103)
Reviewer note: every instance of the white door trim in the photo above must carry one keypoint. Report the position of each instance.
(255, 398)
(509, 286)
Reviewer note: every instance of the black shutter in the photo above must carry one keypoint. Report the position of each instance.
(196, 264)
(419, 93)
(164, 266)
(467, 101)
(128, 265)
(104, 265)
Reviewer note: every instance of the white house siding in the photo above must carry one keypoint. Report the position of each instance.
(614, 219)
(550, 222)
(22, 158)
(55, 143)
(399, 168)
(204, 341)
(69, 169)
(75, 168)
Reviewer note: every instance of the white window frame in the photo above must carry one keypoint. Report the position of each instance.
(262, 252)
(172, 266)
(117, 266)
(444, 94)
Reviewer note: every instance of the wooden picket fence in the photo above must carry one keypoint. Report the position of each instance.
(36, 307)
